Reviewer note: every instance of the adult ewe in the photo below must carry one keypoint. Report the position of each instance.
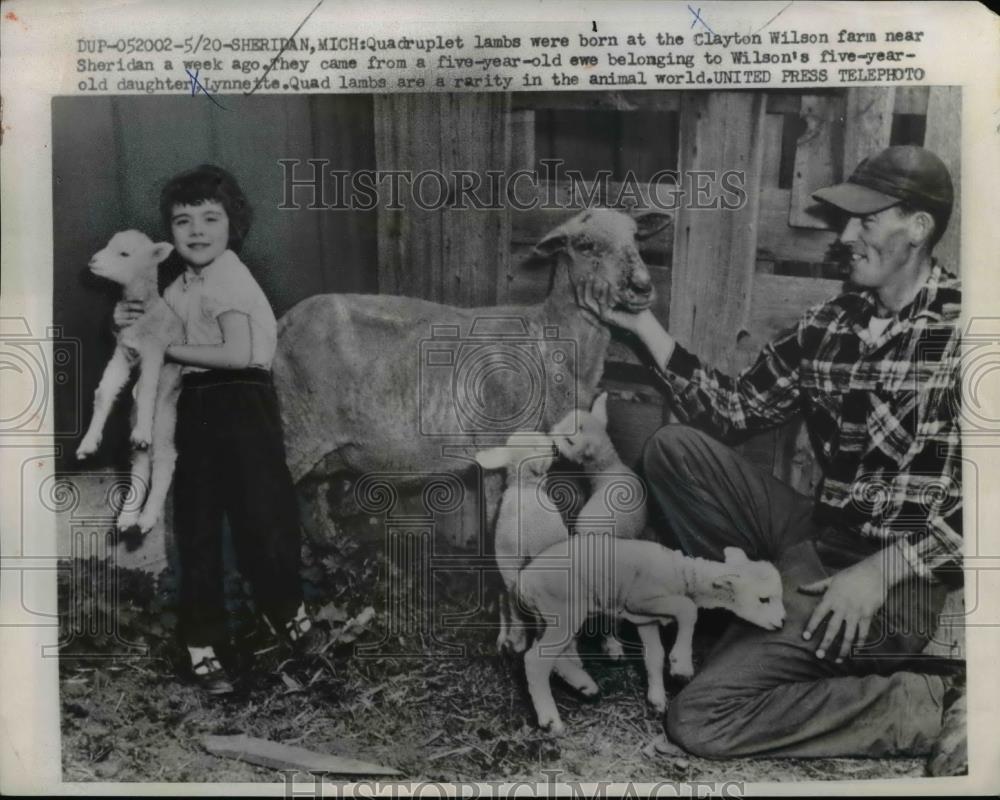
(377, 383)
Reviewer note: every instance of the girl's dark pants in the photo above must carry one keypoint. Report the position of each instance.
(763, 692)
(231, 460)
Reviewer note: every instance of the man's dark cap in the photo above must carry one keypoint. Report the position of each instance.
(904, 173)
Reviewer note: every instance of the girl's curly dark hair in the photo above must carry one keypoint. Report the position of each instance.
(204, 183)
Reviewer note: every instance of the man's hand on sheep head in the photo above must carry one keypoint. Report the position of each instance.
(600, 298)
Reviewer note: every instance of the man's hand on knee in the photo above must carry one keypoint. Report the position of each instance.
(851, 598)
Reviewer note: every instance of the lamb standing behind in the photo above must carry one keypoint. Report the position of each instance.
(131, 260)
(362, 387)
(617, 502)
(642, 582)
(528, 523)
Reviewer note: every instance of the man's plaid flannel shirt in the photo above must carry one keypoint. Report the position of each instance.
(883, 413)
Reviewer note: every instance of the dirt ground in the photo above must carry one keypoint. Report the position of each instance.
(430, 699)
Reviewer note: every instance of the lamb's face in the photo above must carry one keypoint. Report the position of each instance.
(128, 255)
(758, 595)
(582, 436)
(602, 242)
(586, 443)
(751, 590)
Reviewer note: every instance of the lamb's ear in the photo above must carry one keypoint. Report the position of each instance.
(734, 555)
(493, 458)
(161, 250)
(651, 223)
(600, 408)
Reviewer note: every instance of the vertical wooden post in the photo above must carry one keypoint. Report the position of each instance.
(943, 137)
(715, 250)
(867, 125)
(816, 157)
(446, 254)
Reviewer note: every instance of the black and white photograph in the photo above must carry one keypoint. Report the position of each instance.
(581, 405)
(453, 414)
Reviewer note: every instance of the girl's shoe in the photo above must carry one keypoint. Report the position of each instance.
(210, 677)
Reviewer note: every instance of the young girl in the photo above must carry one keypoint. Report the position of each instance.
(231, 457)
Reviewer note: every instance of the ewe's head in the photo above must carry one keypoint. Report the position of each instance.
(524, 455)
(129, 255)
(582, 436)
(751, 590)
(602, 242)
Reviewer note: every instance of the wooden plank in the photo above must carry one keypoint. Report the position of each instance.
(522, 139)
(598, 101)
(343, 130)
(714, 254)
(944, 137)
(867, 125)
(910, 100)
(815, 164)
(274, 755)
(445, 254)
(778, 241)
(771, 166)
(779, 300)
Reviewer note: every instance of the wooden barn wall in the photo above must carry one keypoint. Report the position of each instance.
(446, 254)
(111, 156)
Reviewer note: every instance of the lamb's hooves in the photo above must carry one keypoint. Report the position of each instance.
(658, 706)
(589, 691)
(613, 648)
(146, 523)
(85, 452)
(139, 443)
(554, 727)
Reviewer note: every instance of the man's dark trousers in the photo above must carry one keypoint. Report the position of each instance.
(766, 692)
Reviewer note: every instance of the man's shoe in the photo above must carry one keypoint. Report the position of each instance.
(307, 643)
(950, 754)
(211, 678)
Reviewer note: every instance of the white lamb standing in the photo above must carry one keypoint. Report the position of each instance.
(528, 524)
(377, 383)
(131, 259)
(528, 521)
(617, 501)
(642, 582)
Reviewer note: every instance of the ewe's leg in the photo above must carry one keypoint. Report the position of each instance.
(652, 653)
(164, 451)
(145, 398)
(114, 378)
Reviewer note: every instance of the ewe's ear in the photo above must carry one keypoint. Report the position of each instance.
(600, 408)
(493, 458)
(734, 555)
(651, 223)
(161, 250)
(549, 246)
